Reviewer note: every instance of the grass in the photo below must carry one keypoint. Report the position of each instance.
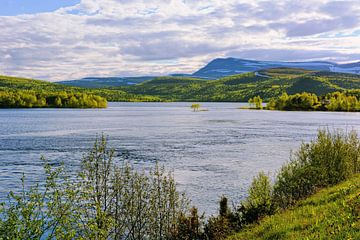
(331, 213)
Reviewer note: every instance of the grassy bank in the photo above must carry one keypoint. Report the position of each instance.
(332, 213)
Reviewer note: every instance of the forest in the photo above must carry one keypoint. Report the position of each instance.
(110, 199)
(43, 88)
(44, 99)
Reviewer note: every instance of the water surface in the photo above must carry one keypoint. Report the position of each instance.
(212, 152)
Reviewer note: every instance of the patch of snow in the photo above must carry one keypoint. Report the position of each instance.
(355, 70)
(261, 75)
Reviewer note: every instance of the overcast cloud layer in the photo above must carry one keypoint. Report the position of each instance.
(144, 37)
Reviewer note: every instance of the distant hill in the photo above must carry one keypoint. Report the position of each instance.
(265, 83)
(105, 82)
(222, 67)
(15, 83)
(218, 68)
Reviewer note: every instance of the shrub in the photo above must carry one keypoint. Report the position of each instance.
(189, 226)
(330, 159)
(108, 200)
(258, 203)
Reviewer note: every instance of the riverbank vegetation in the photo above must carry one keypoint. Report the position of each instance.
(255, 103)
(336, 101)
(332, 213)
(324, 162)
(110, 199)
(43, 99)
(22, 86)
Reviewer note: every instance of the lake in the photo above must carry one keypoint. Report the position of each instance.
(212, 153)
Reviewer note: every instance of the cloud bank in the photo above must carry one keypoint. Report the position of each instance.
(144, 37)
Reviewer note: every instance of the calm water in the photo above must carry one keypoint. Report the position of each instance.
(212, 153)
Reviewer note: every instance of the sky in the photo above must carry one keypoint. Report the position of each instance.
(71, 39)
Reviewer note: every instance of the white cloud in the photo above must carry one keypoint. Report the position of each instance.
(143, 37)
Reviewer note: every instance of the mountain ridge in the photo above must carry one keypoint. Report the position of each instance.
(218, 68)
(222, 67)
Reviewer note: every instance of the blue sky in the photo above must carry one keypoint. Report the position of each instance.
(15, 7)
(68, 39)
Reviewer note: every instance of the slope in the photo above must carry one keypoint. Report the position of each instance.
(332, 213)
(14, 83)
(265, 83)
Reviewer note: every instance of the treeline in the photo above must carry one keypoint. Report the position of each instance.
(12, 84)
(45, 99)
(109, 199)
(336, 101)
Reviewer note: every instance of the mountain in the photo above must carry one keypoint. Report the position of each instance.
(266, 83)
(218, 68)
(222, 67)
(105, 82)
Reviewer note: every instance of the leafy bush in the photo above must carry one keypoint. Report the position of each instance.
(255, 102)
(330, 159)
(190, 226)
(258, 203)
(107, 200)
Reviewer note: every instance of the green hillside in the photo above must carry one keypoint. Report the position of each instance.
(266, 84)
(332, 213)
(20, 84)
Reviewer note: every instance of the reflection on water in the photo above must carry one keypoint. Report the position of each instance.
(212, 152)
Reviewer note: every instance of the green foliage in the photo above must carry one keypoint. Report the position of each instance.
(328, 160)
(300, 101)
(190, 226)
(324, 162)
(107, 200)
(195, 107)
(13, 84)
(218, 228)
(336, 101)
(342, 102)
(31, 99)
(255, 102)
(272, 83)
(221, 226)
(258, 203)
(332, 213)
(35, 213)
